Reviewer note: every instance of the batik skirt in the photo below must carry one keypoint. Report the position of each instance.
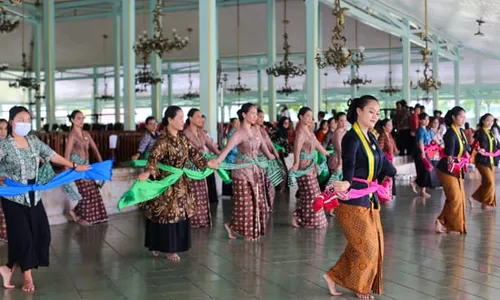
(308, 191)
(91, 208)
(199, 191)
(249, 209)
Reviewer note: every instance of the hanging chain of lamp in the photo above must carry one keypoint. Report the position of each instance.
(286, 67)
(325, 91)
(25, 81)
(337, 55)
(105, 96)
(357, 59)
(190, 95)
(389, 89)
(428, 82)
(238, 88)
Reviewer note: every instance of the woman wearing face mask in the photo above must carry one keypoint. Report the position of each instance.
(3, 225)
(266, 185)
(249, 206)
(196, 135)
(27, 223)
(308, 186)
(359, 268)
(485, 193)
(452, 217)
(168, 215)
(90, 209)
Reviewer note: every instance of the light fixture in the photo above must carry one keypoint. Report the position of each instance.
(4, 67)
(238, 88)
(479, 23)
(6, 22)
(190, 94)
(389, 89)
(428, 82)
(105, 96)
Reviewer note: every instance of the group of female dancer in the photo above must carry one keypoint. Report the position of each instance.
(356, 154)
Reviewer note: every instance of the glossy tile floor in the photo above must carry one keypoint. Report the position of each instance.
(110, 262)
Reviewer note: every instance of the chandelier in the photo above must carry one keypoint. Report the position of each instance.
(337, 55)
(146, 77)
(157, 43)
(190, 95)
(389, 89)
(105, 96)
(6, 24)
(238, 88)
(356, 80)
(4, 67)
(285, 67)
(428, 82)
(25, 81)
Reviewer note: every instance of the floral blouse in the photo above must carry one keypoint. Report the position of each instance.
(21, 164)
(176, 203)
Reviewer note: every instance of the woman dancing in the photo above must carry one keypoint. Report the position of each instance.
(360, 266)
(388, 145)
(168, 215)
(90, 209)
(485, 193)
(452, 217)
(249, 207)
(28, 228)
(196, 135)
(308, 186)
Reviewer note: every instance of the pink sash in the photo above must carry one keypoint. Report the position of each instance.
(456, 165)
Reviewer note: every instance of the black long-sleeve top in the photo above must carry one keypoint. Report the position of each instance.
(489, 143)
(355, 164)
(452, 148)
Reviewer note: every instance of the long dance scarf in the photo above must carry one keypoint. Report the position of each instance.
(317, 159)
(99, 171)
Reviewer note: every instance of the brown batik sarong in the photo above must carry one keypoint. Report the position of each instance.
(249, 210)
(199, 191)
(359, 268)
(308, 191)
(485, 193)
(453, 214)
(91, 208)
(267, 190)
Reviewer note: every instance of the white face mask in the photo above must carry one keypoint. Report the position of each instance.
(22, 129)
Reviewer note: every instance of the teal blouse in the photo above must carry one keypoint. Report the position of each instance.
(22, 164)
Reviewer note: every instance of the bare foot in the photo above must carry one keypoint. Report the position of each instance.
(487, 208)
(84, 222)
(230, 232)
(6, 276)
(28, 286)
(73, 216)
(156, 254)
(294, 222)
(365, 296)
(173, 257)
(439, 227)
(332, 286)
(414, 186)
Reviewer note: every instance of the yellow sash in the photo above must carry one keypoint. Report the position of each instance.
(490, 140)
(368, 151)
(460, 141)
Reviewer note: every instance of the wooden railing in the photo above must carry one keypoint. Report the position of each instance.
(128, 142)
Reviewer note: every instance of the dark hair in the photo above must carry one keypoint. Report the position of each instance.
(302, 111)
(330, 121)
(339, 115)
(323, 122)
(481, 120)
(260, 111)
(149, 119)
(467, 125)
(354, 104)
(245, 108)
(232, 120)
(73, 114)
(170, 112)
(281, 121)
(437, 112)
(5, 121)
(381, 124)
(423, 116)
(13, 112)
(403, 103)
(455, 111)
(321, 114)
(191, 113)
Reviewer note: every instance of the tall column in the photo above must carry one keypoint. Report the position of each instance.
(128, 33)
(208, 63)
(312, 46)
(406, 44)
(271, 57)
(156, 108)
(37, 58)
(50, 59)
(456, 70)
(260, 89)
(95, 106)
(117, 65)
(435, 73)
(170, 97)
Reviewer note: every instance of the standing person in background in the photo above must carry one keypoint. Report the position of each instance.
(227, 189)
(148, 140)
(414, 125)
(402, 124)
(322, 131)
(388, 145)
(469, 133)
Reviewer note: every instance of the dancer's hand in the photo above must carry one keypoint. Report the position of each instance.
(212, 164)
(341, 186)
(143, 176)
(295, 167)
(135, 156)
(81, 168)
(272, 157)
(481, 151)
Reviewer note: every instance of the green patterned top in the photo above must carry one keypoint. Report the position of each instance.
(21, 164)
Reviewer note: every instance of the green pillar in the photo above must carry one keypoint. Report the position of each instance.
(37, 58)
(49, 59)
(311, 48)
(405, 41)
(128, 33)
(117, 64)
(170, 90)
(271, 57)
(456, 71)
(260, 89)
(156, 109)
(208, 63)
